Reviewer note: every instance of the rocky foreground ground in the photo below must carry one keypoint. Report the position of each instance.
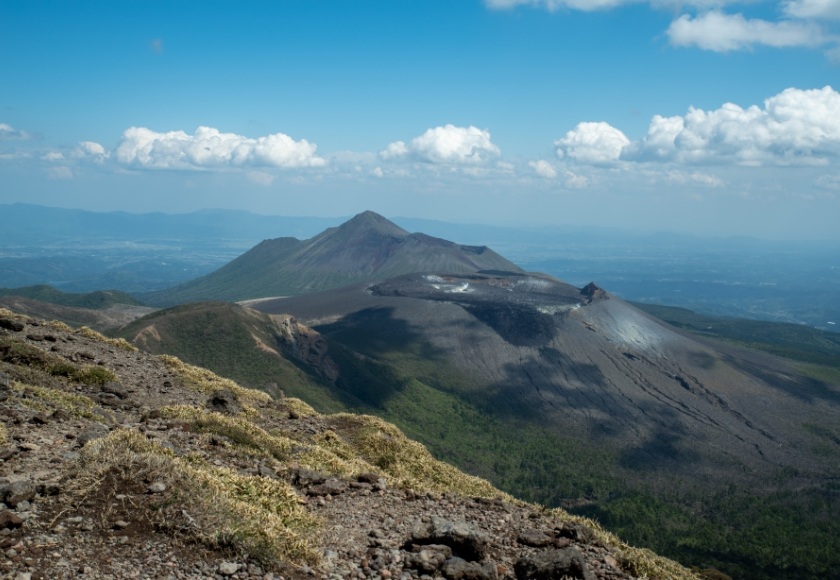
(119, 464)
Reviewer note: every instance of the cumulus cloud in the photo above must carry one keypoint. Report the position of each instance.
(9, 133)
(543, 168)
(794, 127)
(817, 9)
(592, 144)
(209, 148)
(721, 32)
(92, 151)
(448, 145)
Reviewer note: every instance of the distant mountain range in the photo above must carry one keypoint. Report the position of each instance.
(366, 248)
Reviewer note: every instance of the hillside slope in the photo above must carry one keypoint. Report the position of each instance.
(119, 462)
(366, 248)
(723, 447)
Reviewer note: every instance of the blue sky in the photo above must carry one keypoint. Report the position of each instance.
(712, 117)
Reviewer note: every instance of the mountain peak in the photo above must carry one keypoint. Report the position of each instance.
(372, 221)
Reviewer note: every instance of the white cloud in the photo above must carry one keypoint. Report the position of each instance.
(209, 148)
(817, 9)
(592, 143)
(794, 127)
(377, 172)
(446, 145)
(91, 150)
(53, 156)
(543, 168)
(831, 182)
(9, 133)
(695, 178)
(260, 177)
(60, 172)
(721, 32)
(575, 181)
(394, 150)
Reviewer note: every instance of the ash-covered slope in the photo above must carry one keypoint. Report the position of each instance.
(366, 248)
(117, 462)
(590, 366)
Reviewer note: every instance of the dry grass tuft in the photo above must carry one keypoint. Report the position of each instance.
(299, 407)
(94, 335)
(4, 436)
(640, 562)
(408, 463)
(43, 399)
(6, 313)
(255, 441)
(206, 382)
(213, 505)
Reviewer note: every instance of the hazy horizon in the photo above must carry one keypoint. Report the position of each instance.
(704, 118)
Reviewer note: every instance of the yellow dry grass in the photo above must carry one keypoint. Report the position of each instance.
(6, 313)
(117, 342)
(206, 382)
(407, 463)
(216, 505)
(47, 399)
(640, 562)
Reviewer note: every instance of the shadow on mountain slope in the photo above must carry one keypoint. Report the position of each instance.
(363, 341)
(804, 388)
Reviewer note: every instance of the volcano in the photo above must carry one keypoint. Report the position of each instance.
(366, 248)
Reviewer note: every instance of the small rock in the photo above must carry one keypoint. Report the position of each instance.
(40, 419)
(228, 568)
(428, 559)
(369, 478)
(549, 564)
(466, 540)
(10, 324)
(9, 521)
(458, 569)
(17, 491)
(96, 431)
(120, 524)
(29, 447)
(331, 486)
(115, 388)
(534, 538)
(224, 401)
(156, 487)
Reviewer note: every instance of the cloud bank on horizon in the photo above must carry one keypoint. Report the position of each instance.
(794, 127)
(782, 148)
